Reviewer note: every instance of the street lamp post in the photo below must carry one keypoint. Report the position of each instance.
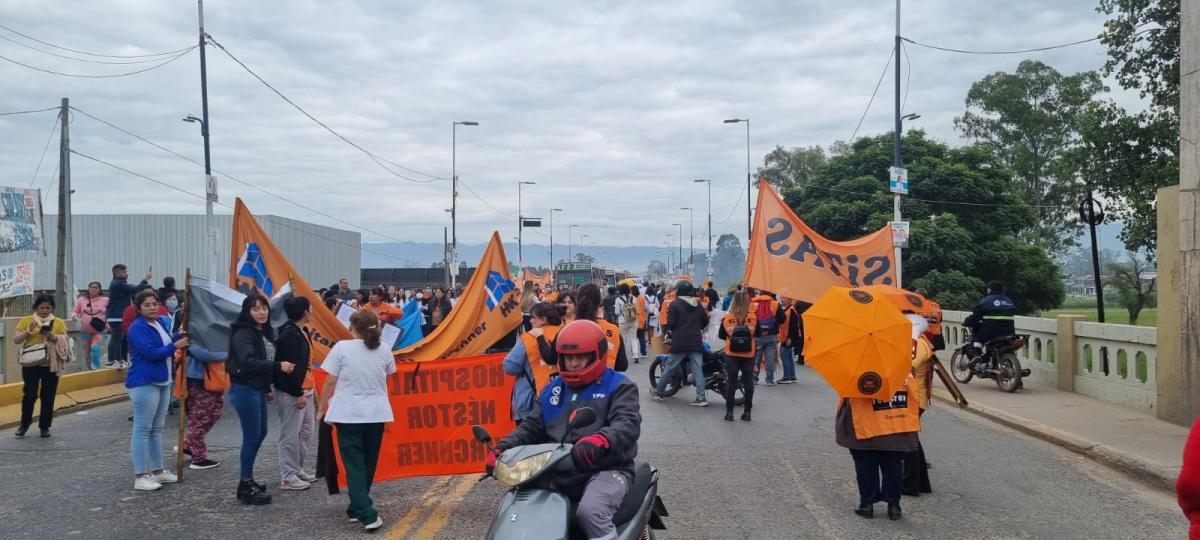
(680, 225)
(552, 211)
(210, 196)
(749, 223)
(570, 256)
(896, 196)
(691, 242)
(708, 228)
(453, 258)
(521, 225)
(582, 239)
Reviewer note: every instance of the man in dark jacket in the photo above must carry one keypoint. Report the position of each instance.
(120, 296)
(686, 322)
(610, 305)
(992, 317)
(604, 450)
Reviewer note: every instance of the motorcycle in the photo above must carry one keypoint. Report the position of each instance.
(532, 509)
(998, 361)
(714, 376)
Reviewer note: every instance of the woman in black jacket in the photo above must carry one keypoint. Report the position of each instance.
(251, 366)
(295, 395)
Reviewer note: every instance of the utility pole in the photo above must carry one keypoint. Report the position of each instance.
(210, 183)
(896, 151)
(446, 254)
(62, 256)
(521, 226)
(454, 198)
(691, 266)
(552, 211)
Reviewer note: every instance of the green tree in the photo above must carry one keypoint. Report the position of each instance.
(962, 205)
(1029, 119)
(656, 268)
(729, 260)
(794, 167)
(1135, 291)
(584, 257)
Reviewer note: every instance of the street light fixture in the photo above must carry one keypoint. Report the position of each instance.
(691, 242)
(680, 225)
(454, 198)
(570, 256)
(709, 227)
(748, 222)
(210, 189)
(521, 225)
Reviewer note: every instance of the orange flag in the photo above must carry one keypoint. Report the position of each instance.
(790, 259)
(256, 263)
(486, 312)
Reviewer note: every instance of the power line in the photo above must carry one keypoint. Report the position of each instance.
(873, 93)
(734, 209)
(245, 183)
(489, 205)
(202, 197)
(107, 62)
(84, 76)
(31, 38)
(932, 201)
(29, 112)
(53, 130)
(379, 160)
(1020, 51)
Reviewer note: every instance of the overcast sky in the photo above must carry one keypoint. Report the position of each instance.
(613, 108)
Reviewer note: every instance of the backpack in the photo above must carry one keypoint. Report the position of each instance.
(741, 339)
(765, 316)
(630, 310)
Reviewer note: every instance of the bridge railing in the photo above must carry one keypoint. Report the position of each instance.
(1112, 362)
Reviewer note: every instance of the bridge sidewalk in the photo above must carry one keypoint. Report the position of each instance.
(1126, 439)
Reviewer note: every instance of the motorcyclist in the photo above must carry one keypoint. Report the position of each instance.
(603, 451)
(992, 317)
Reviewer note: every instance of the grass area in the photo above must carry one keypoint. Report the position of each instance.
(1148, 317)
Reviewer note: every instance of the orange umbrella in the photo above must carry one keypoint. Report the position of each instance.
(858, 342)
(905, 301)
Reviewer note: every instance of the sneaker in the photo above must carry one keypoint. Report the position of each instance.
(352, 520)
(655, 395)
(146, 483)
(700, 403)
(770, 382)
(164, 477)
(294, 485)
(21, 431)
(203, 464)
(307, 477)
(374, 525)
(45, 433)
(787, 380)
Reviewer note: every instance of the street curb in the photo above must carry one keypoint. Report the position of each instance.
(1151, 474)
(61, 411)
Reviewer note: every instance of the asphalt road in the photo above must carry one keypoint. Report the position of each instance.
(780, 476)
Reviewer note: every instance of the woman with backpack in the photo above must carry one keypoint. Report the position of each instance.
(531, 359)
(738, 329)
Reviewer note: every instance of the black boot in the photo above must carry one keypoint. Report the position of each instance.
(866, 510)
(728, 416)
(21, 431)
(250, 493)
(746, 415)
(893, 512)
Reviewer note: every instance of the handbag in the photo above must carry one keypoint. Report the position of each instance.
(216, 379)
(33, 355)
(97, 324)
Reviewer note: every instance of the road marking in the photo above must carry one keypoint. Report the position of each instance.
(820, 514)
(427, 499)
(440, 515)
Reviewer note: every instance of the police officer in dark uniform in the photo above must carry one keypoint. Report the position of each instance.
(992, 317)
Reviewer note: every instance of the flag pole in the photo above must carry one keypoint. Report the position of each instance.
(182, 382)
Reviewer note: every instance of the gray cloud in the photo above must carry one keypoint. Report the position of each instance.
(611, 107)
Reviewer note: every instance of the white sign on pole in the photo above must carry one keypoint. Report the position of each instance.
(900, 231)
(898, 180)
(211, 188)
(16, 280)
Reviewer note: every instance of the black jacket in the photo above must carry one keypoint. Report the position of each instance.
(120, 296)
(248, 363)
(687, 323)
(992, 318)
(292, 346)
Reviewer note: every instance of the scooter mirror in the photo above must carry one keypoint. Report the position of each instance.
(481, 434)
(582, 417)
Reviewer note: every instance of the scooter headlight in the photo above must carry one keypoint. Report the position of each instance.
(522, 471)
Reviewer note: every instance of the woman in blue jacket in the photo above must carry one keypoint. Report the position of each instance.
(152, 350)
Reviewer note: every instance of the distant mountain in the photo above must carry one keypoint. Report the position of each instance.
(422, 255)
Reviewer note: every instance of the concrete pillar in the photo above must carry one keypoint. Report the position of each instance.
(1065, 355)
(1189, 209)
(1170, 368)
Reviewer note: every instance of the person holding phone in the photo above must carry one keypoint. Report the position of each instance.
(43, 341)
(120, 295)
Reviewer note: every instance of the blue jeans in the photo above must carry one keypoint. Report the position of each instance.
(675, 369)
(788, 360)
(765, 355)
(251, 406)
(149, 414)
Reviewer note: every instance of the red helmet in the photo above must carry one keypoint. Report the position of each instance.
(582, 337)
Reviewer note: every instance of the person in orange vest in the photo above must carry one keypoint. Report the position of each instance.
(532, 359)
(791, 338)
(652, 304)
(640, 302)
(934, 332)
(738, 329)
(588, 309)
(766, 309)
(878, 435)
(377, 302)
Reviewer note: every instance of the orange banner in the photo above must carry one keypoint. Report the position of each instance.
(435, 404)
(790, 259)
(256, 264)
(486, 312)
(530, 275)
